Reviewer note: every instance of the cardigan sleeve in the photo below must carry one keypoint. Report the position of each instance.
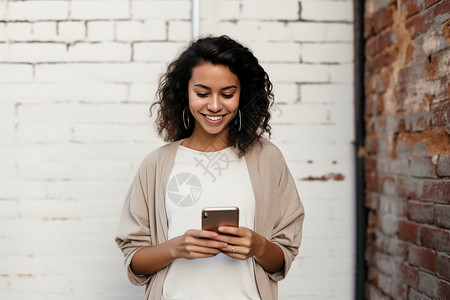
(134, 231)
(285, 200)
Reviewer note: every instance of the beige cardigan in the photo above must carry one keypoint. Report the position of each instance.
(278, 212)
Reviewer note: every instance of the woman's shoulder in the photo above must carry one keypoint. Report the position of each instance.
(162, 153)
(265, 148)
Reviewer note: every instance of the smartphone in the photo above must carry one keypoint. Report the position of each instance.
(213, 217)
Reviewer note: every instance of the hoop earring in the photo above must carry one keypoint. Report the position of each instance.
(185, 111)
(240, 120)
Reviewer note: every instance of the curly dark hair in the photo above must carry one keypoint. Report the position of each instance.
(255, 100)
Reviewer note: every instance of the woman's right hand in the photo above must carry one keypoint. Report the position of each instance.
(196, 244)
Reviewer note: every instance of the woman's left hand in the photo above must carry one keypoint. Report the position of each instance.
(243, 244)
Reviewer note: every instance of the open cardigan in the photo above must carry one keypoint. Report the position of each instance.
(279, 212)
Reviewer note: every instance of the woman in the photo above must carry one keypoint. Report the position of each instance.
(213, 107)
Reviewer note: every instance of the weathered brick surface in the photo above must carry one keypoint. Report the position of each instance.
(407, 146)
(76, 81)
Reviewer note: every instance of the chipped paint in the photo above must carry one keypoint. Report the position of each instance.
(326, 177)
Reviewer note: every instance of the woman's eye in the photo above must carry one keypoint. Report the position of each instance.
(202, 95)
(227, 96)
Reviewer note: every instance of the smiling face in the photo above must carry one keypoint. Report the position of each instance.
(213, 93)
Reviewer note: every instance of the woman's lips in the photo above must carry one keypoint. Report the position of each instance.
(214, 119)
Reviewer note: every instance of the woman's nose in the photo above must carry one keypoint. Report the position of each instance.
(214, 104)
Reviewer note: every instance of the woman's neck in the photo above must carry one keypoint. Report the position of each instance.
(206, 142)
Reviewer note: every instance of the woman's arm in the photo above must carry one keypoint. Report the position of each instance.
(192, 244)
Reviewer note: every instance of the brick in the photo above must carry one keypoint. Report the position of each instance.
(408, 231)
(374, 293)
(302, 72)
(37, 10)
(44, 132)
(399, 290)
(13, 189)
(21, 31)
(341, 74)
(411, 7)
(392, 205)
(368, 26)
(285, 93)
(384, 19)
(148, 30)
(385, 263)
(42, 170)
(444, 289)
(384, 283)
(277, 52)
(436, 191)
(132, 73)
(67, 73)
(443, 265)
(130, 31)
(422, 22)
(325, 93)
(422, 257)
(415, 295)
(71, 31)
(327, 52)
(179, 31)
(435, 238)
(102, 9)
(100, 31)
(397, 247)
(428, 284)
(111, 52)
(214, 9)
(440, 114)
(110, 133)
(335, 11)
(443, 215)
(156, 52)
(45, 31)
(407, 274)
(37, 93)
(2, 32)
(308, 31)
(16, 73)
(89, 112)
(168, 10)
(143, 92)
(266, 9)
(97, 92)
(336, 32)
(421, 212)
(37, 52)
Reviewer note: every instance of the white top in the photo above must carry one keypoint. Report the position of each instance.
(208, 179)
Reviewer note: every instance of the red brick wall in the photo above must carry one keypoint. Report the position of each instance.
(407, 148)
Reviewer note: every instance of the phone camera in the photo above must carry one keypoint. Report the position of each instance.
(205, 215)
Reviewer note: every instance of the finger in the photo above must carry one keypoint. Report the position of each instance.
(205, 242)
(236, 231)
(233, 252)
(196, 250)
(202, 233)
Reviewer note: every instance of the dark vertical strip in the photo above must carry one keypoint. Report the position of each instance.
(361, 212)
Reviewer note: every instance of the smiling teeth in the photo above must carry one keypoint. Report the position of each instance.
(214, 118)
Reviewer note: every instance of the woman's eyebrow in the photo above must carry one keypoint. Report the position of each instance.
(208, 88)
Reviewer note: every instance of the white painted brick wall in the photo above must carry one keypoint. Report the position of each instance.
(76, 80)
